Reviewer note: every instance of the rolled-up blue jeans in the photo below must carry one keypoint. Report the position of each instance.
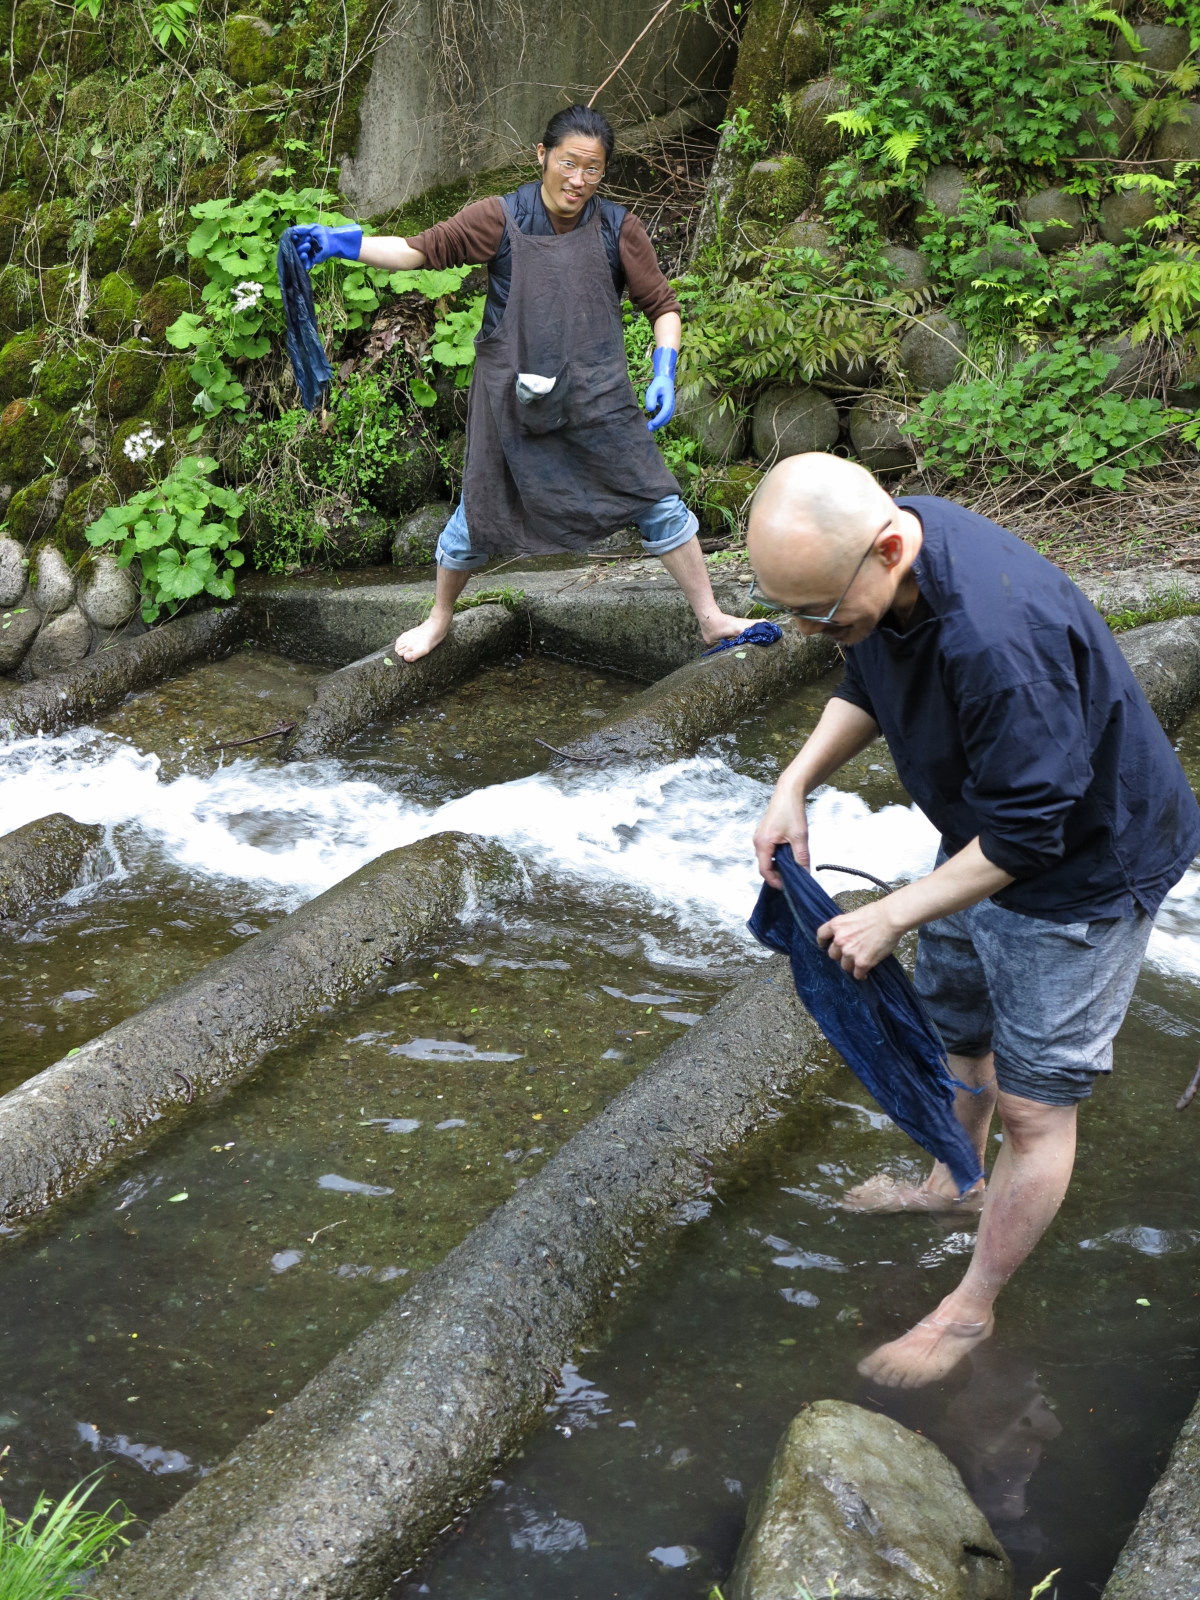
(664, 527)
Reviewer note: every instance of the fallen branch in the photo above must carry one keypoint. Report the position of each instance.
(665, 7)
(565, 754)
(255, 738)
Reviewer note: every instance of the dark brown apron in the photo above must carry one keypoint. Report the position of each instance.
(570, 468)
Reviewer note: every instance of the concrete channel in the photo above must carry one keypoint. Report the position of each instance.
(58, 1128)
(66, 698)
(343, 1489)
(1162, 1558)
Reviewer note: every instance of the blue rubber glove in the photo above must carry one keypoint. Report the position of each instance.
(316, 243)
(660, 394)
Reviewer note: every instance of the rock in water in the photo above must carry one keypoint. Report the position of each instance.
(853, 1497)
(43, 860)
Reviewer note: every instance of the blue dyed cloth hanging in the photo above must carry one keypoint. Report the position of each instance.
(304, 346)
(757, 633)
(877, 1023)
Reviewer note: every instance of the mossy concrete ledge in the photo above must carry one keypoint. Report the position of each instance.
(43, 860)
(381, 685)
(674, 716)
(1162, 1559)
(67, 698)
(1165, 657)
(57, 1128)
(345, 1487)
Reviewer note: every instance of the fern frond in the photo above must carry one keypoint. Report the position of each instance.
(899, 146)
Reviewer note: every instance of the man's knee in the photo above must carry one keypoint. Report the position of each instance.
(1026, 1122)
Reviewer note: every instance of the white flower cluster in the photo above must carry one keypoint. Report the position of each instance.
(140, 446)
(247, 295)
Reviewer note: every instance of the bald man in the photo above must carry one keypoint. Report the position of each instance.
(1017, 727)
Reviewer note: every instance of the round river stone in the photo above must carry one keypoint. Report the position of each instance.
(791, 419)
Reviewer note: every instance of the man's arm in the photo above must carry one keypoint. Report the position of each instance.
(393, 254)
(844, 730)
(860, 939)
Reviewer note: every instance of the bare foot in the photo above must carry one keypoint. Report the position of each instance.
(719, 626)
(883, 1193)
(925, 1353)
(426, 636)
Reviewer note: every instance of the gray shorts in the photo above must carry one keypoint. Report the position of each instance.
(1047, 997)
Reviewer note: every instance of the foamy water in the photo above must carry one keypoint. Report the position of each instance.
(676, 838)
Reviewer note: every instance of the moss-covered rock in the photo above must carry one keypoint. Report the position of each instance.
(805, 50)
(153, 250)
(1124, 211)
(727, 495)
(20, 302)
(137, 107)
(945, 193)
(810, 134)
(251, 51)
(61, 290)
(44, 31)
(256, 116)
(758, 77)
(774, 190)
(113, 307)
(814, 236)
(170, 406)
(81, 508)
(66, 376)
(408, 478)
(110, 241)
(255, 172)
(88, 100)
(14, 213)
(27, 433)
(34, 166)
(206, 183)
(127, 379)
(34, 510)
(17, 361)
(51, 232)
(1054, 217)
(158, 308)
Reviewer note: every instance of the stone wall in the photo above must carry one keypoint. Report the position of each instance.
(52, 616)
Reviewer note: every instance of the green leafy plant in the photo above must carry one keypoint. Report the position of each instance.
(171, 21)
(1168, 291)
(242, 319)
(47, 1555)
(738, 135)
(1049, 414)
(180, 533)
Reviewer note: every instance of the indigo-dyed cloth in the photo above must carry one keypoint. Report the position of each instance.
(877, 1023)
(304, 347)
(757, 633)
(1013, 717)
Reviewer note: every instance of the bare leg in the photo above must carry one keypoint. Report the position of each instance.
(686, 566)
(939, 1192)
(426, 636)
(1027, 1187)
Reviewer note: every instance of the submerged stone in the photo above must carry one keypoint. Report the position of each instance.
(856, 1500)
(43, 860)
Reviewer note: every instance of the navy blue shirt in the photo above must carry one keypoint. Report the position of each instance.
(1012, 716)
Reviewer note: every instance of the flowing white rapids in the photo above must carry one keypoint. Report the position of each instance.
(675, 839)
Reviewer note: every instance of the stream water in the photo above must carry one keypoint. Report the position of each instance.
(155, 1319)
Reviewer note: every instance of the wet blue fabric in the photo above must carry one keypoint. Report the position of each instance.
(877, 1023)
(304, 347)
(757, 633)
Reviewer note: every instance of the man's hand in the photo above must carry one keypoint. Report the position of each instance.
(660, 395)
(785, 821)
(859, 940)
(316, 243)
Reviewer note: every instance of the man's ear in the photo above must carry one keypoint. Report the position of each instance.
(541, 155)
(891, 549)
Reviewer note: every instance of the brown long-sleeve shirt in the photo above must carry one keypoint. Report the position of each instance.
(473, 235)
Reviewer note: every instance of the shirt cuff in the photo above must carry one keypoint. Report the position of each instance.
(1019, 861)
